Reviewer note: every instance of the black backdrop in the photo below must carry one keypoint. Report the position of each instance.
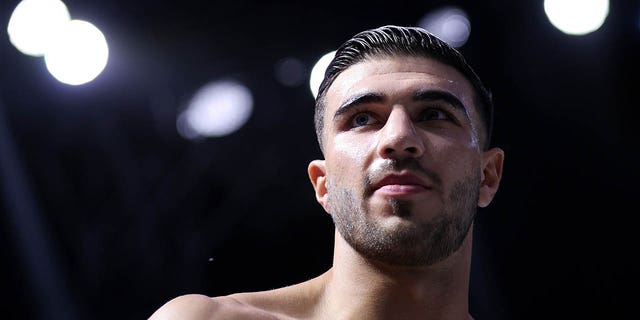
(108, 213)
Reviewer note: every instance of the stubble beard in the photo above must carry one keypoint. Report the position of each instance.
(422, 242)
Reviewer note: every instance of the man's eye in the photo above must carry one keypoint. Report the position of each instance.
(362, 119)
(434, 114)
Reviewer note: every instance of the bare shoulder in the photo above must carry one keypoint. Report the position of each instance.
(201, 307)
(292, 302)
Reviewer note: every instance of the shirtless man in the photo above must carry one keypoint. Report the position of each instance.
(404, 125)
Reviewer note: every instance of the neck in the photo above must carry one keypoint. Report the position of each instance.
(361, 288)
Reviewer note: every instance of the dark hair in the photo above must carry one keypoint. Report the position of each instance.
(409, 41)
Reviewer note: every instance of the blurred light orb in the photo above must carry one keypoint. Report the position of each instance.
(78, 54)
(318, 70)
(290, 72)
(34, 23)
(450, 24)
(217, 109)
(577, 17)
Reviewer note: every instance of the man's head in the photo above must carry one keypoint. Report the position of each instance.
(401, 41)
(405, 144)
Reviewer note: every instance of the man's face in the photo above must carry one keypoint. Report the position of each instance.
(403, 166)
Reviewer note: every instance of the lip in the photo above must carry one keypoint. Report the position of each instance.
(401, 185)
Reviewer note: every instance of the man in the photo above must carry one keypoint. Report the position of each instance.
(404, 125)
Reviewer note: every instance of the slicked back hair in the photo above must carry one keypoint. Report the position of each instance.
(391, 41)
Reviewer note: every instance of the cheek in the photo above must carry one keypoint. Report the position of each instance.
(458, 137)
(456, 160)
(347, 157)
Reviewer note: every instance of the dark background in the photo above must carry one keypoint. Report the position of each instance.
(107, 212)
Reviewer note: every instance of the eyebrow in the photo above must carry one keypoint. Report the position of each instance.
(420, 95)
(434, 95)
(355, 101)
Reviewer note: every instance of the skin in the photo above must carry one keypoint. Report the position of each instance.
(404, 224)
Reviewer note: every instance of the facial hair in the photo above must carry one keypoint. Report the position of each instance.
(422, 242)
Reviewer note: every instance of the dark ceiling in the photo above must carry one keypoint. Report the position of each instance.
(107, 212)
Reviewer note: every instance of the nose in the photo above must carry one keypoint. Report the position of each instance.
(399, 138)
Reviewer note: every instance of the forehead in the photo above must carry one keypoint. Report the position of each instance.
(397, 78)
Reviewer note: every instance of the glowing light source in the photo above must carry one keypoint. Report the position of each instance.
(217, 109)
(450, 24)
(290, 72)
(577, 17)
(78, 53)
(34, 23)
(318, 70)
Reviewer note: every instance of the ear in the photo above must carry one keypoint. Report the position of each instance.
(492, 161)
(317, 174)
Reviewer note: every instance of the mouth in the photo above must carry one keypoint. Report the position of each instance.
(400, 185)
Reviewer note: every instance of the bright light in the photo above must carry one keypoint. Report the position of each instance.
(450, 24)
(217, 109)
(34, 23)
(78, 54)
(577, 17)
(317, 73)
